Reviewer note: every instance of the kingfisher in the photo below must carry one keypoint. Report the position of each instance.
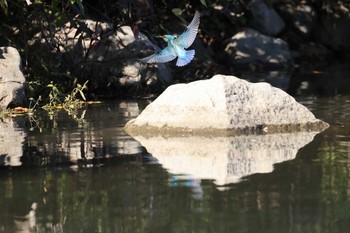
(177, 45)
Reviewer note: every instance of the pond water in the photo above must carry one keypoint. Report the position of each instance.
(83, 173)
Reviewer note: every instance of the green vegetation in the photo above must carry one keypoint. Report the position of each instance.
(31, 26)
(70, 102)
(57, 100)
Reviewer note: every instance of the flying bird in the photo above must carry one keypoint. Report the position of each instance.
(177, 45)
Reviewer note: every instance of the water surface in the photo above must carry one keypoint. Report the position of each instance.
(85, 174)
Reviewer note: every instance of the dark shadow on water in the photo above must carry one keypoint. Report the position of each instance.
(327, 80)
(306, 80)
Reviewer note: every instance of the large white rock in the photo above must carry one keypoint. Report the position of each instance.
(221, 104)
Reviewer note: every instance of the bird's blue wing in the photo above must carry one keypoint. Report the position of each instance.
(162, 56)
(189, 35)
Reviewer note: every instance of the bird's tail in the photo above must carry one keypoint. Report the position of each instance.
(187, 59)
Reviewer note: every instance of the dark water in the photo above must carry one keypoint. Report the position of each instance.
(60, 174)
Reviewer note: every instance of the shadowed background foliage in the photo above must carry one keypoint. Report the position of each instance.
(22, 21)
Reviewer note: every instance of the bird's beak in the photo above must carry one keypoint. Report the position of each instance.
(165, 38)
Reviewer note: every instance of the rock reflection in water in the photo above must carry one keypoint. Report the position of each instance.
(60, 139)
(98, 136)
(225, 159)
(26, 223)
(12, 136)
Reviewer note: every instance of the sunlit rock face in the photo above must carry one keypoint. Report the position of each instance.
(220, 105)
(12, 81)
(225, 159)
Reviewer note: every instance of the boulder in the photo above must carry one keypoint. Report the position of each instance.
(250, 47)
(12, 80)
(265, 18)
(221, 105)
(301, 18)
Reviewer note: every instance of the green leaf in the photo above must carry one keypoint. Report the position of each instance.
(82, 95)
(204, 3)
(4, 6)
(177, 11)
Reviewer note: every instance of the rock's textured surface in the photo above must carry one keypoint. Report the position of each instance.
(12, 81)
(221, 104)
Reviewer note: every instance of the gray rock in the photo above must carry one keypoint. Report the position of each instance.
(265, 18)
(300, 17)
(249, 46)
(12, 80)
(224, 159)
(221, 105)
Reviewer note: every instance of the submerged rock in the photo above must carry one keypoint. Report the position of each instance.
(221, 105)
(12, 81)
